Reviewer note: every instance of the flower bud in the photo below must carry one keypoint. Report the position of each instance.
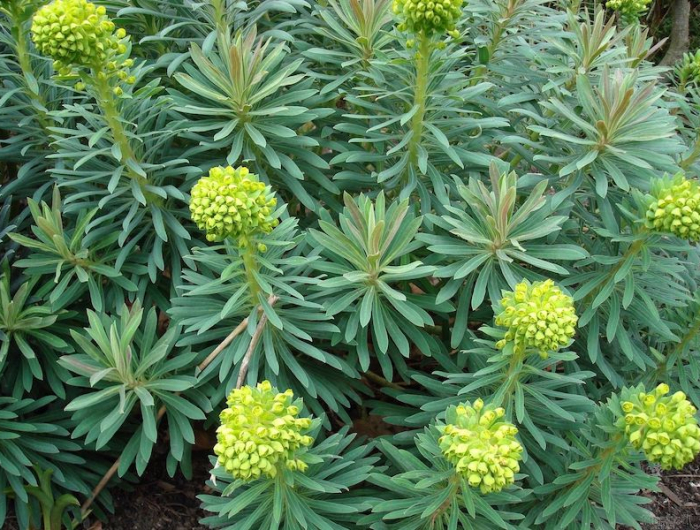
(664, 427)
(629, 9)
(76, 33)
(251, 426)
(675, 207)
(663, 389)
(232, 203)
(428, 16)
(689, 69)
(481, 446)
(538, 316)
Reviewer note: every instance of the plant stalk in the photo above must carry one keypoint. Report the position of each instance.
(420, 97)
(243, 371)
(251, 268)
(499, 30)
(108, 103)
(634, 249)
(669, 360)
(24, 60)
(378, 379)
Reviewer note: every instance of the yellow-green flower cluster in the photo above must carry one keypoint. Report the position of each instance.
(663, 427)
(481, 445)
(629, 9)
(675, 208)
(260, 430)
(76, 33)
(232, 203)
(429, 16)
(689, 69)
(537, 315)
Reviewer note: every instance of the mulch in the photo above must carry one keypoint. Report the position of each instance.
(158, 501)
(161, 502)
(677, 505)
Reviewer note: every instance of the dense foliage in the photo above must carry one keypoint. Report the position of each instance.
(476, 220)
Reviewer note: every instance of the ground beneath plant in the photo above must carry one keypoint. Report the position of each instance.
(160, 502)
(677, 505)
(163, 503)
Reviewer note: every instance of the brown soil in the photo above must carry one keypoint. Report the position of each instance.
(677, 506)
(159, 502)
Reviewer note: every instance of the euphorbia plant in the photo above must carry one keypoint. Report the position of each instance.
(268, 473)
(476, 220)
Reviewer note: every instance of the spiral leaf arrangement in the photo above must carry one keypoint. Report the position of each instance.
(472, 229)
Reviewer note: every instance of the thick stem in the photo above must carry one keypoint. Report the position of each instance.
(251, 268)
(616, 447)
(420, 97)
(243, 371)
(482, 68)
(498, 31)
(46, 515)
(25, 63)
(634, 249)
(512, 376)
(108, 103)
(378, 379)
(453, 485)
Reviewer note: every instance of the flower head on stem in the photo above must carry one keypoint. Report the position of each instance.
(232, 203)
(663, 426)
(260, 429)
(537, 315)
(481, 445)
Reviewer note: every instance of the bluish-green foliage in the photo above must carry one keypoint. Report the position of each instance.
(419, 175)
